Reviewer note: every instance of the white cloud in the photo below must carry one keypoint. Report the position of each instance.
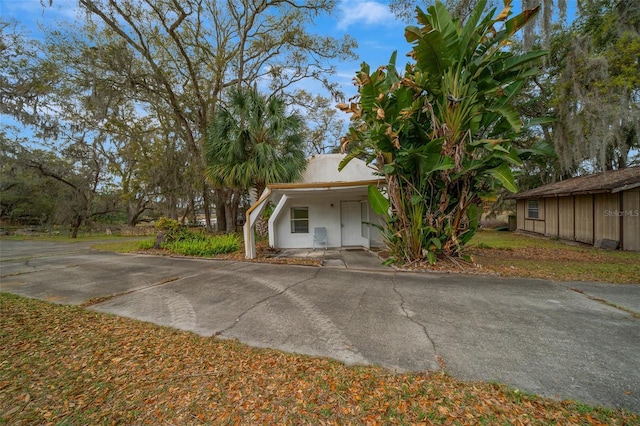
(363, 12)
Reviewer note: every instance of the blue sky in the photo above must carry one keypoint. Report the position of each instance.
(370, 22)
(377, 31)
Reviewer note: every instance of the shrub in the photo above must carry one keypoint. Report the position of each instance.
(202, 245)
(173, 230)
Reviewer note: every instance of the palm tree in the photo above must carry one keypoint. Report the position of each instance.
(254, 142)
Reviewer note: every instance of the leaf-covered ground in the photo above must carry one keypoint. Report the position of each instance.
(67, 365)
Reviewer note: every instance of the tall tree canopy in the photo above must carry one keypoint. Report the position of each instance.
(596, 87)
(191, 51)
(147, 72)
(588, 85)
(462, 9)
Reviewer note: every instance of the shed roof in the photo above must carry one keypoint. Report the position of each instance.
(609, 181)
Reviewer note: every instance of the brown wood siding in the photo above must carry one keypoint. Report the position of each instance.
(565, 218)
(584, 218)
(631, 220)
(607, 224)
(529, 225)
(521, 206)
(541, 204)
(551, 217)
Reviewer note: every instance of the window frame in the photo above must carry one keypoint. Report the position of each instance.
(530, 209)
(297, 221)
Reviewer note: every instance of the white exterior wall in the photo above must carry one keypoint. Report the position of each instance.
(375, 236)
(321, 214)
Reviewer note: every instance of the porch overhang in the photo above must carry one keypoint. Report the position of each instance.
(294, 190)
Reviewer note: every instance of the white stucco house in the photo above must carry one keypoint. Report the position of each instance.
(324, 198)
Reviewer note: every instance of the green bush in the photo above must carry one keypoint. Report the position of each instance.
(173, 230)
(204, 246)
(179, 239)
(146, 244)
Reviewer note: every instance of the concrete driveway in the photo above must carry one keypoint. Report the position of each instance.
(549, 338)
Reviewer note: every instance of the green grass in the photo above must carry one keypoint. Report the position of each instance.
(65, 238)
(129, 245)
(510, 240)
(515, 254)
(189, 243)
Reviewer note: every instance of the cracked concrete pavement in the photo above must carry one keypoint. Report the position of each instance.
(553, 339)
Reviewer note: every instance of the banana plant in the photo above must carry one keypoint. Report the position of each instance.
(440, 132)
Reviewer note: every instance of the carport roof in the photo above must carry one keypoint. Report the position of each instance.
(605, 182)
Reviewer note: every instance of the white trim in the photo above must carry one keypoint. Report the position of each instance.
(249, 227)
(273, 218)
(281, 194)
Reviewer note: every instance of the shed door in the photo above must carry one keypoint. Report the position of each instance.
(351, 223)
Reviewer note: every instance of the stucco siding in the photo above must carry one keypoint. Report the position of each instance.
(323, 212)
(631, 220)
(375, 236)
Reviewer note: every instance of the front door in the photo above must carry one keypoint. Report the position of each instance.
(351, 219)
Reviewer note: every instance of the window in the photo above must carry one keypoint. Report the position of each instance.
(299, 220)
(533, 209)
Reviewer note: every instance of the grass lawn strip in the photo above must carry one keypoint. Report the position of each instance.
(522, 255)
(67, 365)
(502, 253)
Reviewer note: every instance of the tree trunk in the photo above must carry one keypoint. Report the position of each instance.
(233, 207)
(262, 223)
(221, 214)
(206, 206)
(76, 226)
(171, 207)
(194, 213)
(186, 213)
(134, 211)
(231, 220)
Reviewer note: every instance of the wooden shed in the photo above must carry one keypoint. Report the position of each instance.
(602, 209)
